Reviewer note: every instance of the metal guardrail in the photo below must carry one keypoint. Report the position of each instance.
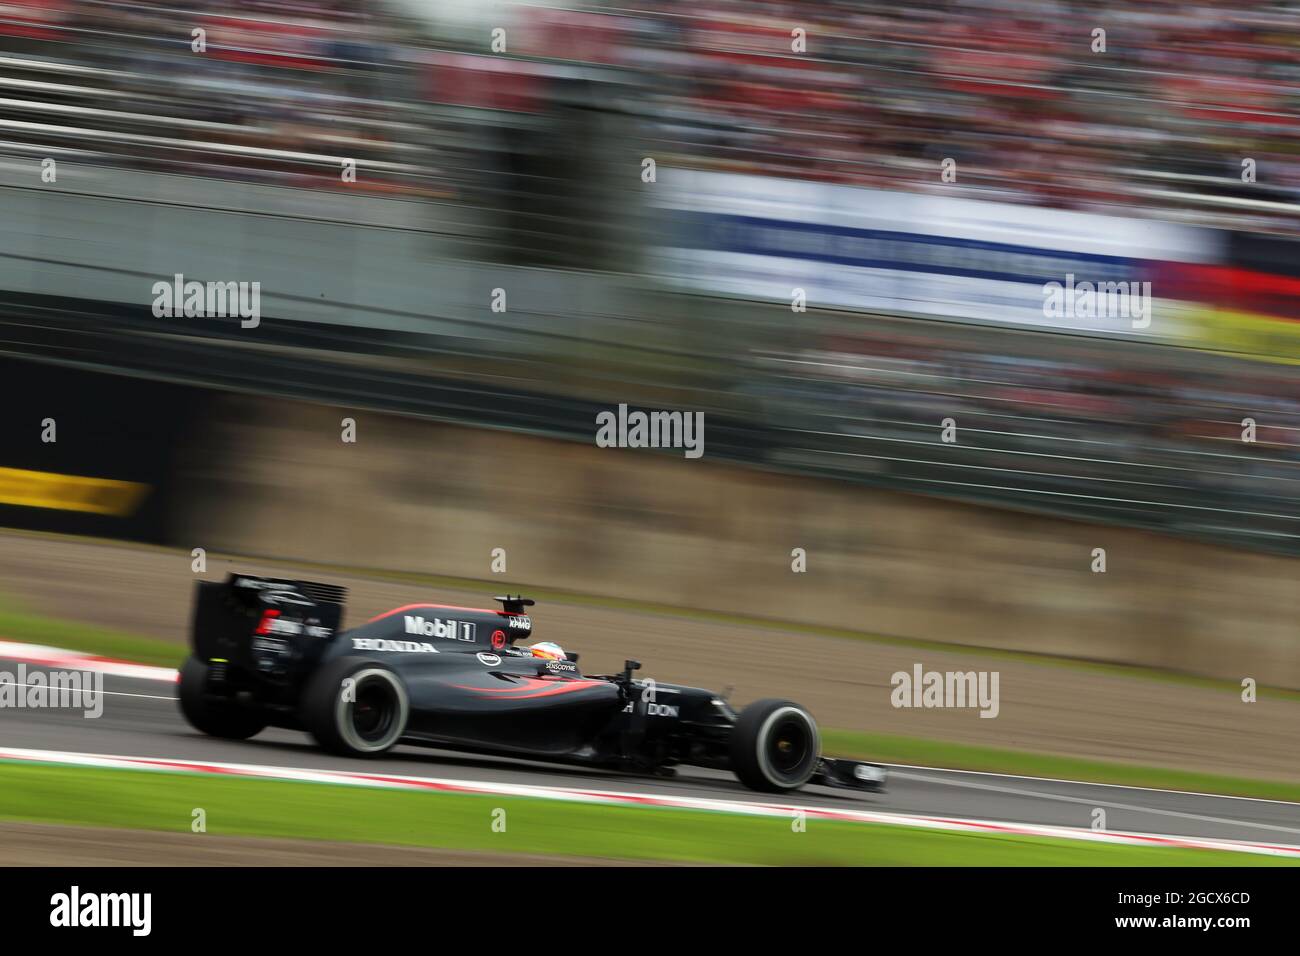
(315, 160)
(40, 111)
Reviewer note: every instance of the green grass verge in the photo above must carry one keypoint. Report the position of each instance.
(18, 624)
(938, 753)
(165, 801)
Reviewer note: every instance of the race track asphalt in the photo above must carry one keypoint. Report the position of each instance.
(141, 719)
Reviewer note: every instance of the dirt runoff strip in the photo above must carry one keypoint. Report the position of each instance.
(38, 844)
(1044, 707)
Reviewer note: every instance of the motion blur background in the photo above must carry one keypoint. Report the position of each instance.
(798, 150)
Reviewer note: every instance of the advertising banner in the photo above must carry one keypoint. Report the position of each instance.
(932, 256)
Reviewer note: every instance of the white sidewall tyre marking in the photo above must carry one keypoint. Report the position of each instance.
(766, 767)
(343, 712)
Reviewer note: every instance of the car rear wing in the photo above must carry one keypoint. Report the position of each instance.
(264, 625)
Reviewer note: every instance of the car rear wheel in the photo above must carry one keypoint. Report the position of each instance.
(212, 715)
(775, 746)
(355, 707)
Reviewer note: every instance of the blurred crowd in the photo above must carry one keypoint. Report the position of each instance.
(1146, 106)
(1157, 111)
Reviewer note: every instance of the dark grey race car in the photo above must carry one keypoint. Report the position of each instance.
(270, 652)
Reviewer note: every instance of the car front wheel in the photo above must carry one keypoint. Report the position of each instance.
(775, 746)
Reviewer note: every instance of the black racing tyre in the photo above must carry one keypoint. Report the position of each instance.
(355, 707)
(775, 746)
(216, 718)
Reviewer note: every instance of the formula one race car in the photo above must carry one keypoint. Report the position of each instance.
(271, 652)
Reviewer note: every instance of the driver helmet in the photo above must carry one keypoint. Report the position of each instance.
(548, 650)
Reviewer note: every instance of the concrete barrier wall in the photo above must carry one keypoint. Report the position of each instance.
(109, 234)
(276, 479)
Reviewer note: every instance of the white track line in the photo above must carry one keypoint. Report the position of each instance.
(1066, 798)
(609, 797)
(109, 693)
(1083, 783)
